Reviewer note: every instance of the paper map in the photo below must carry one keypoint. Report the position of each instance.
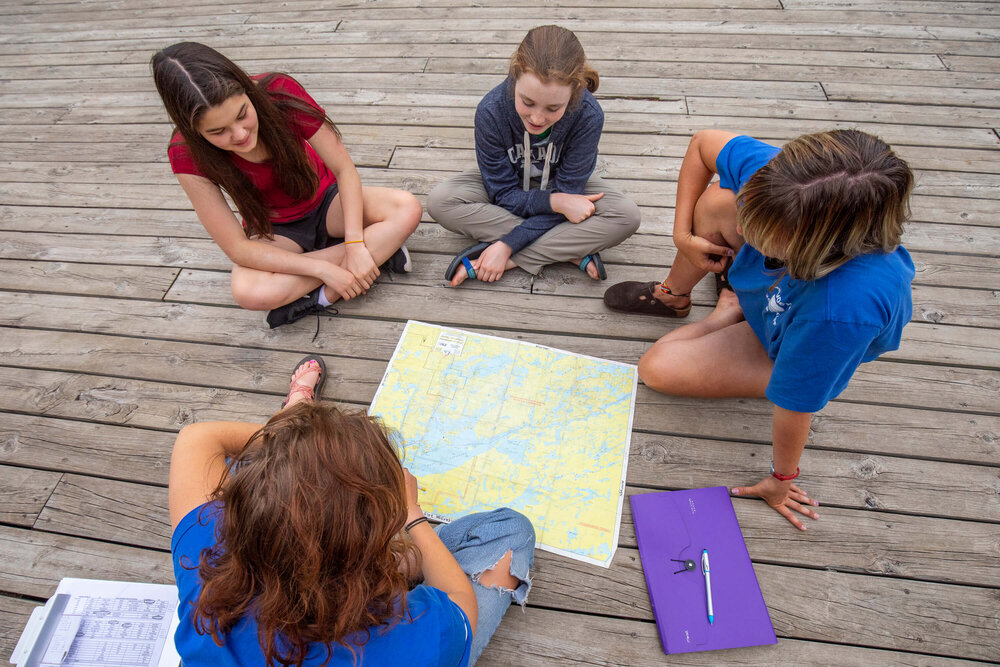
(488, 422)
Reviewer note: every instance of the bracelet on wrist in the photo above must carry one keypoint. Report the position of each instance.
(356, 241)
(416, 522)
(783, 478)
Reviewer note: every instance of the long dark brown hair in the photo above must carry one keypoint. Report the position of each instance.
(192, 78)
(553, 53)
(309, 537)
(824, 199)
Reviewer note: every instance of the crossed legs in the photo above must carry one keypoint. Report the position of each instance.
(720, 356)
(389, 217)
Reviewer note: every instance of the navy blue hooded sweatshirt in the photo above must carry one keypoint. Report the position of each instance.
(566, 158)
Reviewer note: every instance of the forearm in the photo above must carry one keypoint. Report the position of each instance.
(351, 202)
(442, 571)
(789, 432)
(262, 256)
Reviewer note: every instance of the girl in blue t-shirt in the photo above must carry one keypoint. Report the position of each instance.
(817, 281)
(288, 547)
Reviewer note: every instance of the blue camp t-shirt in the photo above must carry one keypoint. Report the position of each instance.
(816, 332)
(439, 633)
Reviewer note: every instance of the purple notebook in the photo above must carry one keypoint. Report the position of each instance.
(673, 528)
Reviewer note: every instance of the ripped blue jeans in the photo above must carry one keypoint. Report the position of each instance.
(477, 542)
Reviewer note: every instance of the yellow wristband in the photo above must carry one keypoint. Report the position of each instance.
(358, 241)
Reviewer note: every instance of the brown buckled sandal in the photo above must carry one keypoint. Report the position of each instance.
(637, 297)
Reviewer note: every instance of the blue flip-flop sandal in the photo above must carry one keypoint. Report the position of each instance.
(462, 259)
(598, 262)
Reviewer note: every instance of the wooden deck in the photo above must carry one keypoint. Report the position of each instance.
(119, 328)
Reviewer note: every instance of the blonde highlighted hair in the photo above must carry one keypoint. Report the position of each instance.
(824, 199)
(553, 53)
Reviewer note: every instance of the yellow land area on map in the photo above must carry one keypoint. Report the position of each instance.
(488, 422)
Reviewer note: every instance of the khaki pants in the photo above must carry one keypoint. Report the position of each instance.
(460, 204)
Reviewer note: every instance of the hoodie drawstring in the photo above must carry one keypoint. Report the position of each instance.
(526, 180)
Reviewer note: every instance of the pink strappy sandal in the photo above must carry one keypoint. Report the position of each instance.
(302, 368)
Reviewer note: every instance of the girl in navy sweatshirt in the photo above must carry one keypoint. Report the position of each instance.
(535, 199)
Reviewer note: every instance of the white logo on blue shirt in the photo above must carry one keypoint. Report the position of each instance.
(776, 305)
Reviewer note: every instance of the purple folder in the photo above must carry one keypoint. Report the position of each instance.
(676, 526)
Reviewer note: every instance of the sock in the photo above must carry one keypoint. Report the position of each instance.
(323, 301)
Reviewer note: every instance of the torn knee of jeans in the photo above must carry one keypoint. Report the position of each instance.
(519, 593)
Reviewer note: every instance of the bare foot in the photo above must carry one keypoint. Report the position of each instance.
(727, 311)
(304, 381)
(461, 275)
(591, 268)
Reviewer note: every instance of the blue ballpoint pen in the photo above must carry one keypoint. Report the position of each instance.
(708, 584)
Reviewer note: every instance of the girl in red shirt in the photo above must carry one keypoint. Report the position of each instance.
(311, 234)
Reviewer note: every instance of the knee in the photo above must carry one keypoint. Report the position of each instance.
(520, 526)
(408, 211)
(438, 202)
(254, 294)
(631, 217)
(715, 213)
(655, 368)
(623, 218)
(253, 300)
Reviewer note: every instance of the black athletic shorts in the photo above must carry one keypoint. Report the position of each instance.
(310, 231)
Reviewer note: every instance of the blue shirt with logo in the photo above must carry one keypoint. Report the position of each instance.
(816, 332)
(438, 634)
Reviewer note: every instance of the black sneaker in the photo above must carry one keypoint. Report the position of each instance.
(398, 263)
(296, 310)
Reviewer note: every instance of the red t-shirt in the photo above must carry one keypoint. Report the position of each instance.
(283, 207)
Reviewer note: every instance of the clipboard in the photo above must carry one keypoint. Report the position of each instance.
(672, 528)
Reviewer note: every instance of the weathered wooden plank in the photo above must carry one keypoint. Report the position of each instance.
(947, 7)
(247, 40)
(111, 221)
(971, 63)
(833, 110)
(140, 455)
(23, 493)
(211, 366)
(32, 563)
(93, 508)
(148, 282)
(546, 637)
(298, 59)
(145, 404)
(912, 94)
